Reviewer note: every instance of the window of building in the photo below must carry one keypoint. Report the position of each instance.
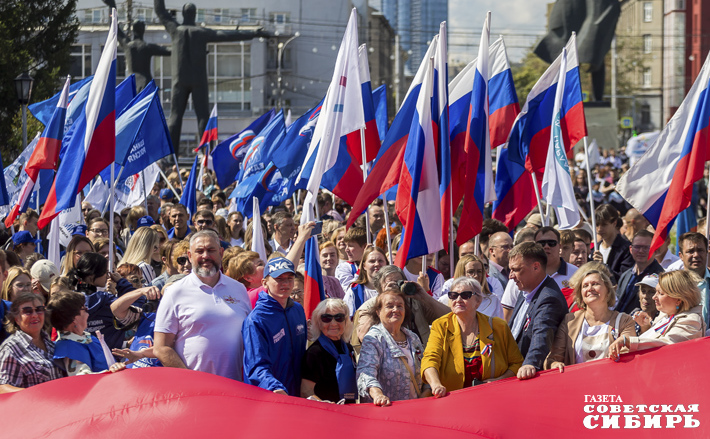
(80, 61)
(248, 15)
(647, 43)
(97, 16)
(280, 17)
(217, 15)
(645, 115)
(647, 11)
(229, 71)
(646, 78)
(143, 14)
(200, 16)
(272, 59)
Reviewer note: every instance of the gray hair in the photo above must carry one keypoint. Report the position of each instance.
(204, 233)
(467, 282)
(383, 273)
(338, 305)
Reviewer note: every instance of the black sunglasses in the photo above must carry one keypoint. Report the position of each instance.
(28, 310)
(547, 242)
(204, 222)
(465, 295)
(327, 318)
(182, 260)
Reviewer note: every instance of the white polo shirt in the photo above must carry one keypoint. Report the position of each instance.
(207, 323)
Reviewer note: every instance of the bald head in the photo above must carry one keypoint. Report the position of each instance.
(499, 245)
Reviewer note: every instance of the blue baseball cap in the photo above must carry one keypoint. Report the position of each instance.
(166, 194)
(79, 230)
(23, 238)
(145, 221)
(278, 266)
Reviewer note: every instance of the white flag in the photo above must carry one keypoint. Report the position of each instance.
(257, 236)
(557, 187)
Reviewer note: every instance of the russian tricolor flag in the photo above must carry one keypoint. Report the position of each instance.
(93, 146)
(45, 154)
(478, 189)
(503, 108)
(210, 133)
(660, 184)
(372, 138)
(442, 139)
(313, 290)
(529, 139)
(418, 204)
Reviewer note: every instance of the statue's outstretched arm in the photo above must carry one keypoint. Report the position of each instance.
(235, 35)
(164, 16)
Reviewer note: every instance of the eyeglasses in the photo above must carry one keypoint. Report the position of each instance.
(327, 318)
(465, 295)
(204, 222)
(547, 242)
(641, 248)
(182, 260)
(99, 231)
(28, 310)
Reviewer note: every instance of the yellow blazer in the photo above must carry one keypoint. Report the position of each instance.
(444, 350)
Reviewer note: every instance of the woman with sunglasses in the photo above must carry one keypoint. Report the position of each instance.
(26, 356)
(80, 352)
(472, 266)
(328, 368)
(467, 348)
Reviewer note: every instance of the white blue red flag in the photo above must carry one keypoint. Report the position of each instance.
(43, 111)
(526, 150)
(385, 172)
(418, 205)
(45, 154)
(342, 110)
(93, 145)
(313, 290)
(371, 139)
(660, 184)
(442, 139)
(210, 134)
(478, 189)
(557, 187)
(502, 107)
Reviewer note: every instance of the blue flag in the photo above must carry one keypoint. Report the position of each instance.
(4, 197)
(189, 194)
(260, 151)
(379, 99)
(42, 111)
(228, 155)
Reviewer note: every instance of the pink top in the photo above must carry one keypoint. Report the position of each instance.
(254, 295)
(332, 287)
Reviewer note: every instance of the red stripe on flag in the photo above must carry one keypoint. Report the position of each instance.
(343, 80)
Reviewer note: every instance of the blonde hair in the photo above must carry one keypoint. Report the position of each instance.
(140, 247)
(460, 270)
(681, 285)
(606, 280)
(12, 274)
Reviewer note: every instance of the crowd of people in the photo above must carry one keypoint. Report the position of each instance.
(188, 292)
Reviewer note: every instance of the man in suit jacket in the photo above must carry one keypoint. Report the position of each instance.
(499, 246)
(538, 311)
(627, 292)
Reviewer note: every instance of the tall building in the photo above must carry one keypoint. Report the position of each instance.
(416, 22)
(674, 56)
(697, 25)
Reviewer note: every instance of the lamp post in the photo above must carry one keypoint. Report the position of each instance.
(23, 86)
(279, 60)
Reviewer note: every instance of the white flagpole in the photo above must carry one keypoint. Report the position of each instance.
(387, 227)
(591, 197)
(364, 178)
(110, 188)
(177, 166)
(168, 182)
(145, 191)
(112, 245)
(539, 203)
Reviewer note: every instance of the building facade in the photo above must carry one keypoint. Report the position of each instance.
(244, 76)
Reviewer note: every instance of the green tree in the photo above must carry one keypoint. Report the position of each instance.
(35, 36)
(526, 74)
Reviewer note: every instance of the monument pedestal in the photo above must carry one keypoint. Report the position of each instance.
(602, 124)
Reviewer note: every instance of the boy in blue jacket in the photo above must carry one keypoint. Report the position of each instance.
(275, 333)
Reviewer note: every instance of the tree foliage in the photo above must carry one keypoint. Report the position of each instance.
(35, 36)
(526, 74)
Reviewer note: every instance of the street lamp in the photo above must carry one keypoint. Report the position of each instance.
(23, 86)
(279, 60)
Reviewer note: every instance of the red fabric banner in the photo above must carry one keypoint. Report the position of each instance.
(659, 393)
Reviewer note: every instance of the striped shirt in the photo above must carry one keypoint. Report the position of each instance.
(22, 364)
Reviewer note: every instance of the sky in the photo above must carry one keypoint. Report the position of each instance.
(521, 22)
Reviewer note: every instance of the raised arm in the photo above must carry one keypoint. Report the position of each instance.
(164, 16)
(158, 50)
(122, 38)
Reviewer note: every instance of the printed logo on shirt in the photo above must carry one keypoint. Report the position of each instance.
(230, 300)
(279, 335)
(565, 283)
(300, 329)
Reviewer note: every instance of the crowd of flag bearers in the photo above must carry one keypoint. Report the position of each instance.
(343, 259)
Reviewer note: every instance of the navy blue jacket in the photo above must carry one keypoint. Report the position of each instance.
(101, 318)
(546, 311)
(274, 344)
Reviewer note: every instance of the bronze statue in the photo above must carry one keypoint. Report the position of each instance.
(595, 24)
(189, 64)
(138, 53)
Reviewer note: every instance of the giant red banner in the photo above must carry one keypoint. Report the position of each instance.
(661, 393)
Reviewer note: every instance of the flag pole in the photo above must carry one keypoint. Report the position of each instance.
(110, 189)
(707, 207)
(591, 198)
(387, 227)
(112, 245)
(364, 178)
(162, 174)
(177, 165)
(539, 203)
(451, 234)
(145, 191)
